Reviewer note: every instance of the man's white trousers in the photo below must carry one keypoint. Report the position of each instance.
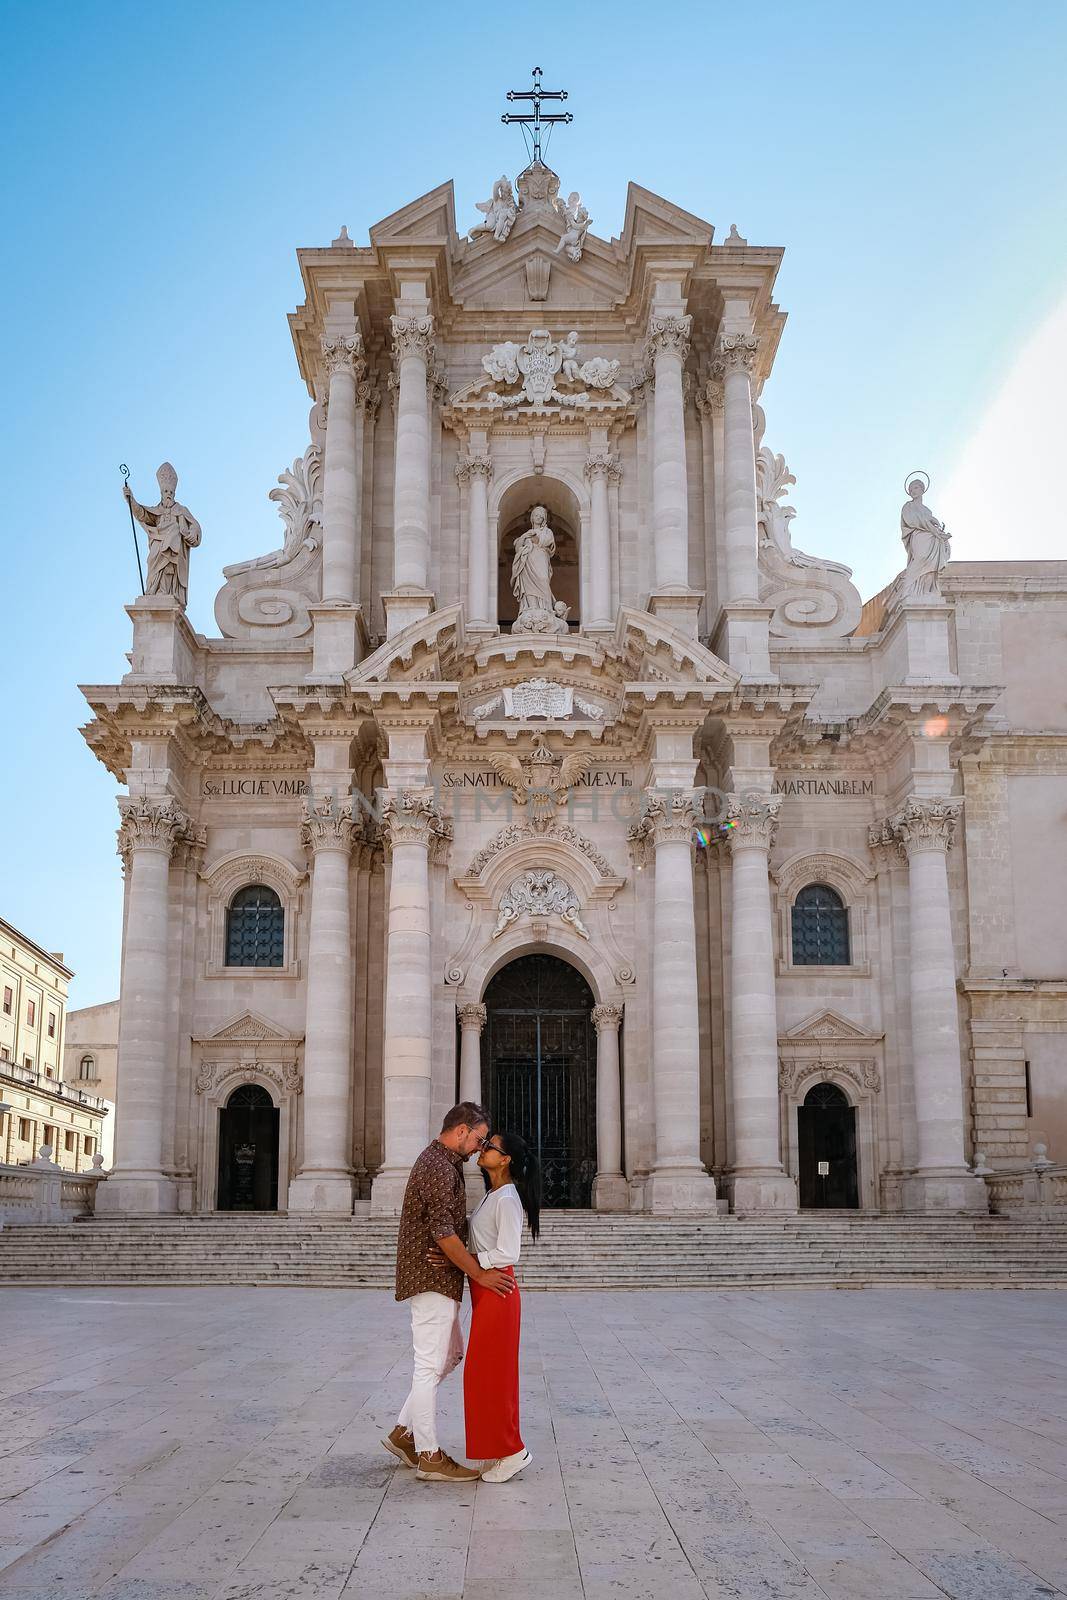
(438, 1343)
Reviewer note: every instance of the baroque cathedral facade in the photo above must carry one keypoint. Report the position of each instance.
(539, 767)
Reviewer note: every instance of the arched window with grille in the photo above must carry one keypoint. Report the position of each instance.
(820, 928)
(255, 928)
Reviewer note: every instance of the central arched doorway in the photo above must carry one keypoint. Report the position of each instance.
(539, 1070)
(826, 1149)
(248, 1151)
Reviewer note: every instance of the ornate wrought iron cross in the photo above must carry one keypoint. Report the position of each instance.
(535, 119)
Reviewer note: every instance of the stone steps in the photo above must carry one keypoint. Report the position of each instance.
(577, 1251)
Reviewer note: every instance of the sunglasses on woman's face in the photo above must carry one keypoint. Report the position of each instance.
(487, 1144)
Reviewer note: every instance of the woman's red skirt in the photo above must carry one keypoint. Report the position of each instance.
(491, 1375)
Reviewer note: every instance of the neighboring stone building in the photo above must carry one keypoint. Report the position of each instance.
(429, 817)
(90, 1060)
(44, 1110)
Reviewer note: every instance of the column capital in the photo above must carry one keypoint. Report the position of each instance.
(709, 397)
(668, 334)
(603, 464)
(472, 1017)
(668, 816)
(925, 824)
(327, 825)
(148, 824)
(606, 1019)
(343, 353)
(412, 336)
(735, 352)
(752, 821)
(474, 466)
(412, 816)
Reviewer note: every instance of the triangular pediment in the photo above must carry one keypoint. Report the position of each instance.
(493, 275)
(830, 1025)
(651, 219)
(248, 1026)
(659, 653)
(431, 219)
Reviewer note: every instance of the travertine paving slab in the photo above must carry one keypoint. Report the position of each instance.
(223, 1444)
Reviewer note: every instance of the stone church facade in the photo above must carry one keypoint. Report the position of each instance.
(629, 819)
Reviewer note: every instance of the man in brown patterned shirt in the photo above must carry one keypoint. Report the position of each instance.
(434, 1213)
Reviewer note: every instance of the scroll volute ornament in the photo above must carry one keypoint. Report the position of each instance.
(412, 816)
(668, 333)
(412, 336)
(926, 824)
(327, 824)
(752, 821)
(149, 824)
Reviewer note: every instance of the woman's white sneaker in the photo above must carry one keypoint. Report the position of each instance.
(507, 1467)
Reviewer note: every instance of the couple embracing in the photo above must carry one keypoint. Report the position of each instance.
(432, 1260)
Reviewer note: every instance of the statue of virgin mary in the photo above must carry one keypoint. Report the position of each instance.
(531, 579)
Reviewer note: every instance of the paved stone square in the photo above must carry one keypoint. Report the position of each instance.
(223, 1444)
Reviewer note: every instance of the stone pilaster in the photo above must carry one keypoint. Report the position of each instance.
(610, 1189)
(758, 1182)
(472, 1020)
(475, 472)
(148, 833)
(412, 350)
(412, 824)
(325, 1182)
(746, 645)
(679, 1181)
(924, 830)
(601, 469)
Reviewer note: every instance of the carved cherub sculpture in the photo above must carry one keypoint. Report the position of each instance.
(568, 349)
(576, 226)
(500, 211)
(172, 532)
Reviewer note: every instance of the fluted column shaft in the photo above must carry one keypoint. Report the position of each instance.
(759, 1183)
(472, 1019)
(668, 349)
(148, 833)
(601, 469)
(341, 473)
(412, 339)
(324, 1182)
(736, 360)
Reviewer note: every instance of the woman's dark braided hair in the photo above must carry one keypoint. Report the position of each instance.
(524, 1174)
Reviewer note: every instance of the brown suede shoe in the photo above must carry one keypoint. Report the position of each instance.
(401, 1444)
(440, 1468)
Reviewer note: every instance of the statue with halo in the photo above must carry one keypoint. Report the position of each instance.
(926, 542)
(531, 579)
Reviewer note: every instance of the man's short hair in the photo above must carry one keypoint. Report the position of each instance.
(469, 1112)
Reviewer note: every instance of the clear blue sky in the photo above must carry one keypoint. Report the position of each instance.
(164, 161)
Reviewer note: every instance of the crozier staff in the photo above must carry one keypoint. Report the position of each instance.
(172, 532)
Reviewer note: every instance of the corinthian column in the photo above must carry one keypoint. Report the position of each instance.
(759, 1182)
(746, 621)
(475, 471)
(412, 347)
(601, 469)
(679, 1181)
(472, 1019)
(324, 1182)
(610, 1191)
(411, 821)
(147, 836)
(924, 830)
(341, 474)
(668, 349)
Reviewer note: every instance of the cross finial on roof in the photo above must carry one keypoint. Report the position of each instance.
(535, 119)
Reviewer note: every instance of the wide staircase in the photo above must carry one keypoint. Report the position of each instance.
(577, 1250)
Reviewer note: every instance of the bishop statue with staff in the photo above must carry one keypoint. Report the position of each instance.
(172, 532)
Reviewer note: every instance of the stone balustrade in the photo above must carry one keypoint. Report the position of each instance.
(1032, 1191)
(42, 1192)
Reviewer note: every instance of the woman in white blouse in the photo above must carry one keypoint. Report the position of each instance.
(491, 1373)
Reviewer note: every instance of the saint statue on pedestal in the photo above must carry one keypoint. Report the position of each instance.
(531, 579)
(927, 545)
(172, 532)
